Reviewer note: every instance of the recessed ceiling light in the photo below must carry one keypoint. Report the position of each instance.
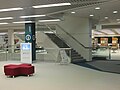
(115, 11)
(52, 20)
(52, 5)
(23, 22)
(118, 19)
(10, 9)
(3, 33)
(91, 15)
(97, 8)
(30, 16)
(5, 18)
(72, 12)
(19, 32)
(106, 17)
(3, 23)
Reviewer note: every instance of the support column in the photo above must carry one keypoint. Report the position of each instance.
(30, 37)
(98, 27)
(11, 40)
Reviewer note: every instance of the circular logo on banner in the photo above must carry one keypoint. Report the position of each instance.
(28, 37)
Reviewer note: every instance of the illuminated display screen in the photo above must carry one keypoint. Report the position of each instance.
(25, 47)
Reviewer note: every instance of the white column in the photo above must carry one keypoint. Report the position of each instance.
(98, 27)
(11, 40)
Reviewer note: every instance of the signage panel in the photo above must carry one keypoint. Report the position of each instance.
(26, 53)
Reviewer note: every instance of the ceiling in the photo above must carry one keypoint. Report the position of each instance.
(83, 8)
(106, 10)
(106, 32)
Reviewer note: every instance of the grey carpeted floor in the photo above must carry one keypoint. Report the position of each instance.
(112, 66)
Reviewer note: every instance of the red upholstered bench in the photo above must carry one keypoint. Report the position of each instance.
(16, 70)
(12, 71)
(26, 70)
(9, 65)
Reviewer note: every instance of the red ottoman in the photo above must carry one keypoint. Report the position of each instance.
(9, 65)
(20, 69)
(12, 71)
(26, 70)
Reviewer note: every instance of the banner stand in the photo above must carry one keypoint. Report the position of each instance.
(26, 53)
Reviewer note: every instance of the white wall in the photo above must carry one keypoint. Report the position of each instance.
(80, 29)
(11, 40)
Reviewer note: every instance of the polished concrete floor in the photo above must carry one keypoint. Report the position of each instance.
(53, 76)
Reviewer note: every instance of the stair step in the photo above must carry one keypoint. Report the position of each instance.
(74, 52)
(77, 57)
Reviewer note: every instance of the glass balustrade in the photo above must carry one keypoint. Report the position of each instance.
(101, 53)
(60, 55)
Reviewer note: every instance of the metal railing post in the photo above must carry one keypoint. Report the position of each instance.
(109, 52)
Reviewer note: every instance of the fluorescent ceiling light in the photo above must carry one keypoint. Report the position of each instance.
(3, 33)
(3, 23)
(49, 31)
(52, 20)
(23, 22)
(97, 8)
(51, 5)
(5, 18)
(19, 32)
(10, 9)
(72, 12)
(115, 12)
(30, 16)
(91, 15)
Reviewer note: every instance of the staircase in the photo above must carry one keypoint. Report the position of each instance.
(75, 56)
